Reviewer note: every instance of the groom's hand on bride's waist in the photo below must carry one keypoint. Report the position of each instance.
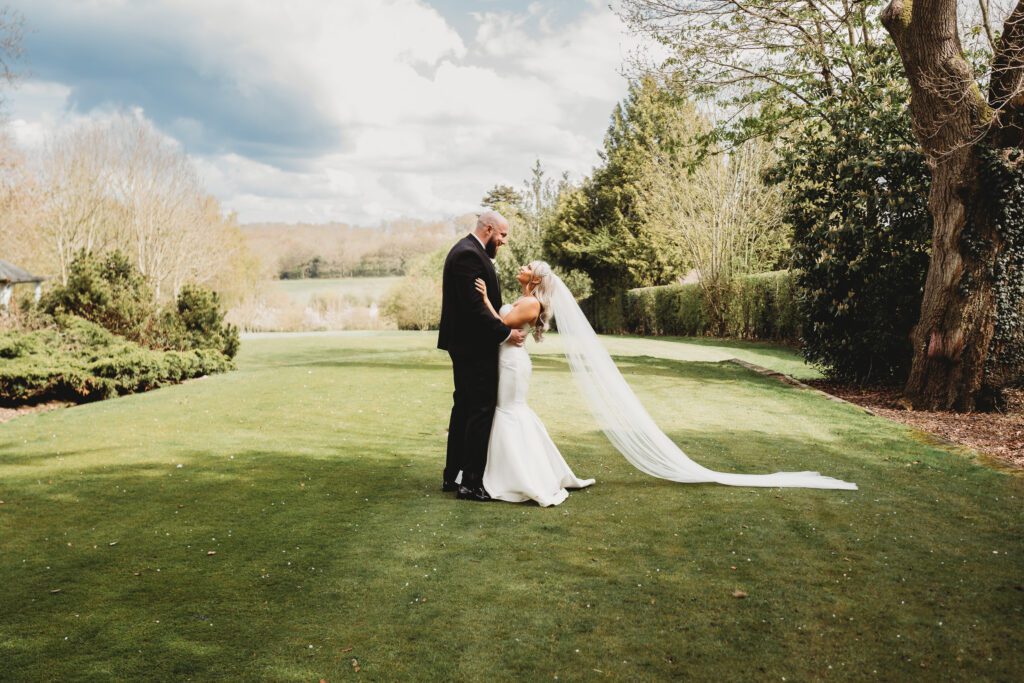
(517, 338)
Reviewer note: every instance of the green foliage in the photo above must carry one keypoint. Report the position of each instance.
(761, 307)
(1003, 183)
(414, 303)
(578, 282)
(769, 66)
(102, 335)
(107, 290)
(112, 293)
(857, 201)
(196, 321)
(764, 306)
(78, 360)
(500, 197)
(598, 227)
(530, 214)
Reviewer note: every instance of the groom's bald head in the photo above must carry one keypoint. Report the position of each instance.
(492, 229)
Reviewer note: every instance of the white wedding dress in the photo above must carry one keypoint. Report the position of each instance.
(522, 461)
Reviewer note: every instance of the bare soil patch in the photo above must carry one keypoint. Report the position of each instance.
(7, 414)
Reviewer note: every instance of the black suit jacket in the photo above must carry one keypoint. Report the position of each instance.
(467, 327)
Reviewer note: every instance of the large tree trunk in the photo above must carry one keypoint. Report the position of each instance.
(953, 123)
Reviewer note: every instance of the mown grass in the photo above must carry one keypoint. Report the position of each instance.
(312, 473)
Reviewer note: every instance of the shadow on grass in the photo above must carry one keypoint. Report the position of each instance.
(260, 562)
(234, 565)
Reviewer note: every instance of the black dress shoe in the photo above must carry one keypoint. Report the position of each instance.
(449, 486)
(477, 493)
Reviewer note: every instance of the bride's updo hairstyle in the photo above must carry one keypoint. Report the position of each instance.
(544, 277)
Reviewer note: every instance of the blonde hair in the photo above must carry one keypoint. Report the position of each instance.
(544, 277)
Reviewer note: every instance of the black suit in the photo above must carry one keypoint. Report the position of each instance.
(471, 335)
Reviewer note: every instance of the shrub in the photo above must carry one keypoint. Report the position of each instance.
(1004, 187)
(196, 321)
(112, 293)
(77, 360)
(764, 306)
(108, 291)
(759, 306)
(414, 303)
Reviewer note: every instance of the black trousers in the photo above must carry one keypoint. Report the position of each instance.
(469, 429)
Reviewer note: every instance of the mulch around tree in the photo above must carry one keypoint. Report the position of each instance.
(999, 435)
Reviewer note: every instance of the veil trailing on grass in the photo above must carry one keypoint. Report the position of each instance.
(628, 425)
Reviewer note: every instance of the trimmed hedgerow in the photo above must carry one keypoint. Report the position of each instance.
(759, 306)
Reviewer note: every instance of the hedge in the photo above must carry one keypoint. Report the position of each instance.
(760, 306)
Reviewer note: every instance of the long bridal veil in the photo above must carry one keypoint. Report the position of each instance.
(628, 425)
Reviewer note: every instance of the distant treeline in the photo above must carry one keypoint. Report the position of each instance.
(333, 250)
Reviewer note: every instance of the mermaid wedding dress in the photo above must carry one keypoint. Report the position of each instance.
(522, 461)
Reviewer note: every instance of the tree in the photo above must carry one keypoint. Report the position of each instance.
(19, 205)
(501, 195)
(12, 29)
(723, 218)
(775, 66)
(598, 227)
(856, 198)
(967, 138)
(120, 184)
(769, 64)
(77, 212)
(529, 217)
(414, 303)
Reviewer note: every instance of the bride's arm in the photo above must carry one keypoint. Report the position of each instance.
(481, 287)
(524, 311)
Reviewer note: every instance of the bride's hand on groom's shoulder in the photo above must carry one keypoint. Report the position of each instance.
(481, 287)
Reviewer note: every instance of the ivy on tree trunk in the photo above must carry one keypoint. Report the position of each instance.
(957, 127)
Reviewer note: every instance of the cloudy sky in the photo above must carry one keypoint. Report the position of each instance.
(348, 110)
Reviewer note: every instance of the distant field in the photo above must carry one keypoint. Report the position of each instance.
(360, 290)
(352, 303)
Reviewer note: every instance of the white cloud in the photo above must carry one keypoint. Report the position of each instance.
(325, 110)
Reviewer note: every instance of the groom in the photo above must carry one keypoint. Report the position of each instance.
(471, 336)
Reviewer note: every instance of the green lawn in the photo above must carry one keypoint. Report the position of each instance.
(312, 473)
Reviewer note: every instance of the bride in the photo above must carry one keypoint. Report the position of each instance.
(523, 463)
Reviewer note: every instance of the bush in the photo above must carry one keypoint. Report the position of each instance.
(112, 293)
(108, 291)
(77, 360)
(1004, 186)
(196, 321)
(764, 306)
(414, 303)
(759, 306)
